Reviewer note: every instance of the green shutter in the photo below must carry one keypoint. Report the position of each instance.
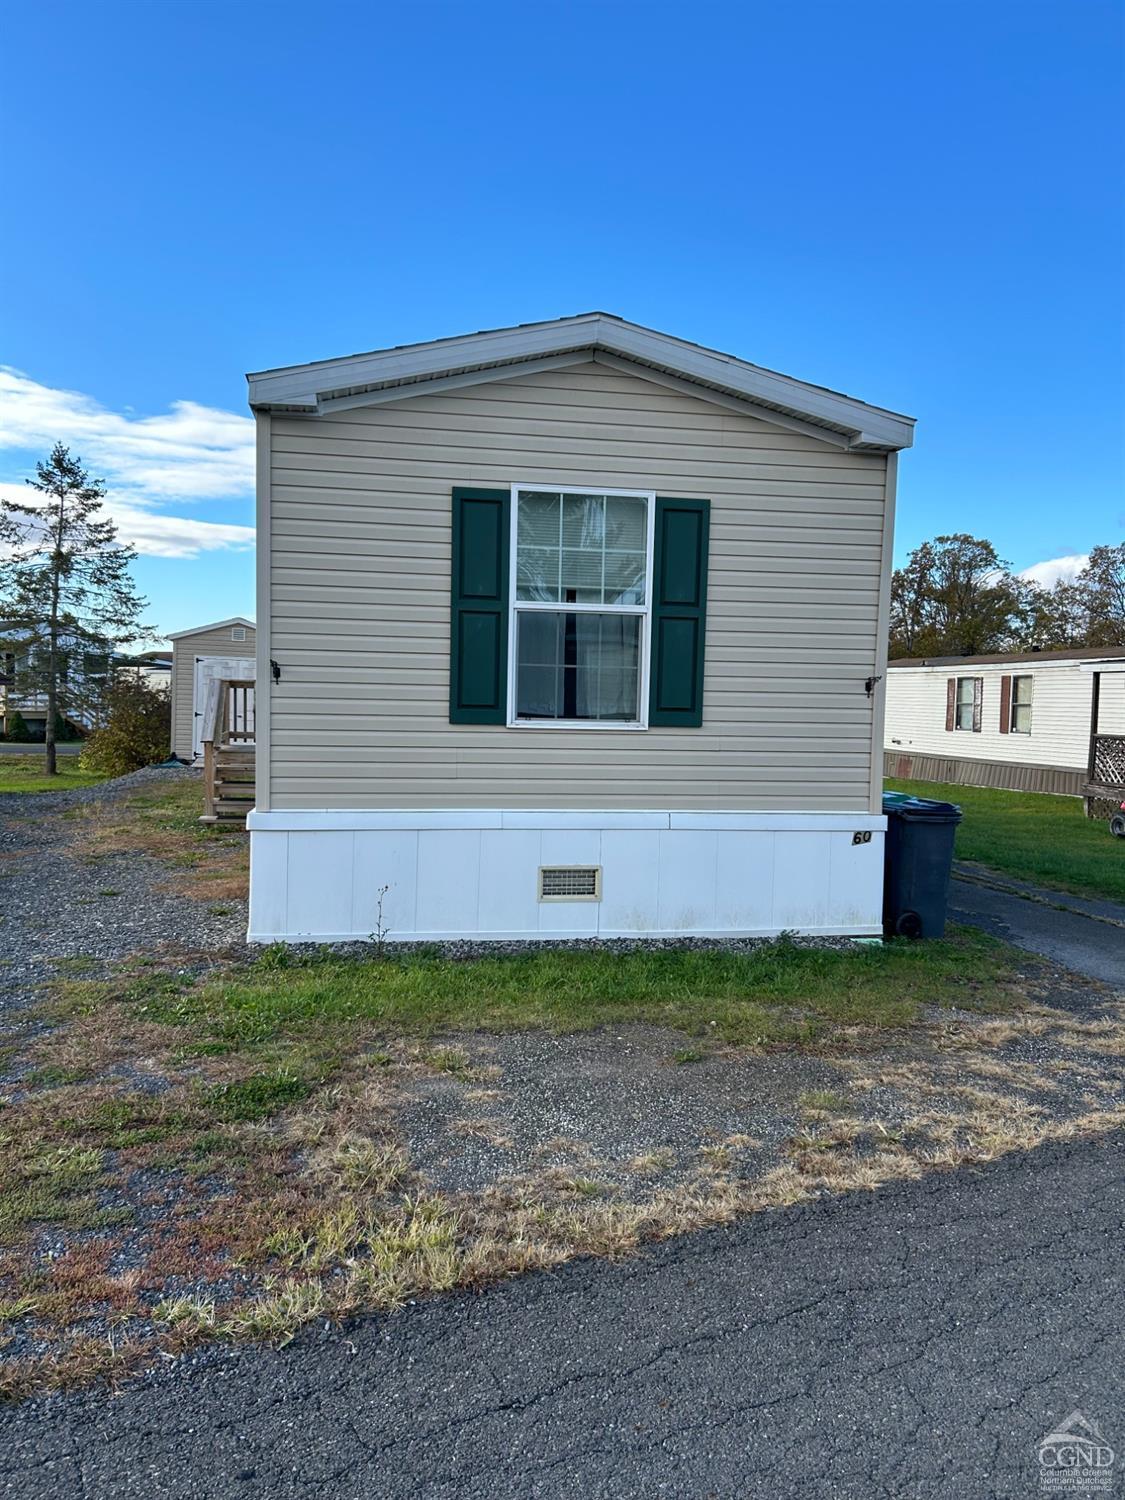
(679, 612)
(478, 667)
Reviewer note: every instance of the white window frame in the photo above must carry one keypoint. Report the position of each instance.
(971, 705)
(1013, 705)
(524, 605)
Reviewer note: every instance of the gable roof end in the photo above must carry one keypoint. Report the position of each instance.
(179, 635)
(412, 369)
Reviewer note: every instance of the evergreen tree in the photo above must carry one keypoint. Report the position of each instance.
(66, 596)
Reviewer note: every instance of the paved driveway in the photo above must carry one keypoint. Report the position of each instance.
(917, 1342)
(1085, 936)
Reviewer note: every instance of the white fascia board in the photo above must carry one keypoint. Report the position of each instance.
(490, 356)
(180, 635)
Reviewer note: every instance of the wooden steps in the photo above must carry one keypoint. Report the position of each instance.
(228, 752)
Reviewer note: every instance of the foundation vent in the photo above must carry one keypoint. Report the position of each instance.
(570, 883)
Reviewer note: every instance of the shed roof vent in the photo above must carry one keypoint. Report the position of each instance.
(570, 883)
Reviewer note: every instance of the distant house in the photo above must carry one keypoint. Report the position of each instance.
(223, 649)
(154, 668)
(85, 667)
(1022, 720)
(572, 629)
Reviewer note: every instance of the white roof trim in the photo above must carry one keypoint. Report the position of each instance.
(179, 635)
(394, 374)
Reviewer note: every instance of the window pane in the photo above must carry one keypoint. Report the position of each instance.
(537, 546)
(581, 577)
(580, 549)
(624, 578)
(584, 521)
(965, 690)
(537, 575)
(577, 666)
(1021, 718)
(625, 522)
(1021, 690)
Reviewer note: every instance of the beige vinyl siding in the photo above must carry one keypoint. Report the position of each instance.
(360, 533)
(184, 652)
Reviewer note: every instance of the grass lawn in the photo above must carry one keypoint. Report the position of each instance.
(24, 773)
(1033, 837)
(777, 993)
(237, 1134)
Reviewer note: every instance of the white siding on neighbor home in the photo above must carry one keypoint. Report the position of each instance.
(184, 651)
(1060, 713)
(360, 535)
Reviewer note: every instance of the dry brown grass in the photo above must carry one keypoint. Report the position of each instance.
(207, 862)
(280, 1156)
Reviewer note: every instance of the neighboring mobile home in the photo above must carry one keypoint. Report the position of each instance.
(1023, 720)
(86, 667)
(566, 630)
(227, 649)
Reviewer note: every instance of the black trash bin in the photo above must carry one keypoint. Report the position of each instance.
(919, 855)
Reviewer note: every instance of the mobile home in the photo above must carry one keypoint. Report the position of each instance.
(566, 630)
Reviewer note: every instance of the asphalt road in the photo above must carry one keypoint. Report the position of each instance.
(915, 1342)
(64, 747)
(1058, 926)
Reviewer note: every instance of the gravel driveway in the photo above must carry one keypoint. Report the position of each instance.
(59, 903)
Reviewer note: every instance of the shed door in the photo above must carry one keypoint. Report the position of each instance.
(207, 667)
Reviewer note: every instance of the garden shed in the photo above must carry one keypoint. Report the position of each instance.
(224, 649)
(568, 629)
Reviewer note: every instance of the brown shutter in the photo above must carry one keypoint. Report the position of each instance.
(950, 702)
(978, 703)
(1005, 703)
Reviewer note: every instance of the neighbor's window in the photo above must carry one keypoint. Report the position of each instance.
(1021, 705)
(966, 697)
(580, 608)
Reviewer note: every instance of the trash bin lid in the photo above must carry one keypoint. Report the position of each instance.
(920, 809)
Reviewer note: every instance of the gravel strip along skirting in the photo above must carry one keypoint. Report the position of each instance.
(467, 949)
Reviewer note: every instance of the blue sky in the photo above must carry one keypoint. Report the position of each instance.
(921, 205)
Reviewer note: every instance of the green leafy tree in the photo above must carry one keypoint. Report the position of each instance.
(1058, 618)
(136, 731)
(957, 597)
(1101, 589)
(66, 597)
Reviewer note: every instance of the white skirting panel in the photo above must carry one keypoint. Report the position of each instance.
(317, 875)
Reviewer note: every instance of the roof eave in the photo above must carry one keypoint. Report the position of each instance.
(179, 635)
(306, 389)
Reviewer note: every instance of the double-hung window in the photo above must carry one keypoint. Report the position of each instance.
(1021, 705)
(581, 597)
(966, 698)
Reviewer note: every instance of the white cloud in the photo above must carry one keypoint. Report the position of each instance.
(1056, 569)
(154, 534)
(188, 454)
